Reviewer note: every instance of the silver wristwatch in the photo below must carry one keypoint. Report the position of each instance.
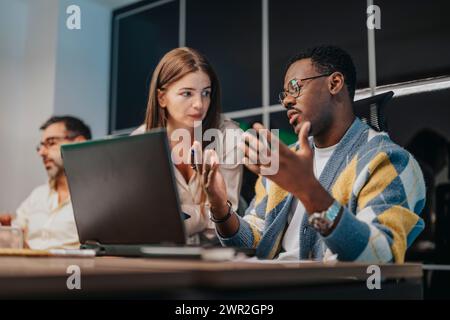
(323, 221)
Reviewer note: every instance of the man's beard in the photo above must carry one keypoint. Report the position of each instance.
(54, 171)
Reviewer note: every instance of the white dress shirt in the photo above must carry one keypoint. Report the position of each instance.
(48, 224)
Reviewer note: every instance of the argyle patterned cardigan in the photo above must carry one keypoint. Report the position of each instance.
(381, 189)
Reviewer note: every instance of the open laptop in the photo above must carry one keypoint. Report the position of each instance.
(124, 196)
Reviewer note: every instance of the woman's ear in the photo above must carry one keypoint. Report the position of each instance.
(161, 98)
(336, 83)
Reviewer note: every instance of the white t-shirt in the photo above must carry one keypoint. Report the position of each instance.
(291, 240)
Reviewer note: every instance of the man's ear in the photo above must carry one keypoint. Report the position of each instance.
(79, 139)
(336, 83)
(161, 98)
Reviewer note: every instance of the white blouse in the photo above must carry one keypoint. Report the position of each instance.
(190, 192)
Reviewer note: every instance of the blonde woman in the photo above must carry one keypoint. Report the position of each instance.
(185, 94)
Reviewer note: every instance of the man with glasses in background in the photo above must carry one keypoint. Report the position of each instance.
(46, 216)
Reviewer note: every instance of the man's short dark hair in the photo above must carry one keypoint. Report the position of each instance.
(328, 59)
(74, 126)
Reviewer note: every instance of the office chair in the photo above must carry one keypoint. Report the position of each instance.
(372, 110)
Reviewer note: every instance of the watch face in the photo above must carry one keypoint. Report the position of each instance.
(320, 223)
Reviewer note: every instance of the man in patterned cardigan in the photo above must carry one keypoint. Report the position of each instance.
(347, 190)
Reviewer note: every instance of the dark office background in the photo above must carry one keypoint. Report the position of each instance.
(412, 44)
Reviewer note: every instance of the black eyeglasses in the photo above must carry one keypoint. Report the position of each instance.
(294, 87)
(52, 141)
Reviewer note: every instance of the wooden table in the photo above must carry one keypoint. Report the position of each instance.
(113, 277)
